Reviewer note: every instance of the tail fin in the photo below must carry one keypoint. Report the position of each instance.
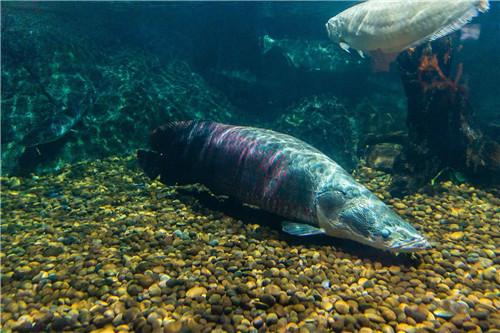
(152, 163)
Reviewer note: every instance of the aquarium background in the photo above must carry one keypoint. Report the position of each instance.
(88, 242)
(88, 80)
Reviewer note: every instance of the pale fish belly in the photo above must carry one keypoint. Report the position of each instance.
(392, 26)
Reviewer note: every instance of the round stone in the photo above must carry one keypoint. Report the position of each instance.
(341, 307)
(440, 312)
(268, 299)
(134, 290)
(271, 319)
(368, 284)
(215, 299)
(403, 327)
(299, 308)
(196, 292)
(327, 306)
(272, 289)
(387, 313)
(489, 273)
(154, 290)
(258, 322)
(374, 317)
(130, 314)
(457, 236)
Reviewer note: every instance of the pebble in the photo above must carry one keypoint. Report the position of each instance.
(419, 314)
(268, 299)
(154, 290)
(130, 314)
(271, 319)
(338, 324)
(489, 273)
(457, 236)
(403, 327)
(196, 292)
(153, 317)
(327, 306)
(58, 322)
(387, 329)
(24, 323)
(258, 322)
(341, 307)
(215, 299)
(443, 313)
(134, 289)
(272, 289)
(53, 251)
(387, 313)
(395, 269)
(400, 205)
(374, 317)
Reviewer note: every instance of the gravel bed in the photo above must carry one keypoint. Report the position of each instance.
(98, 246)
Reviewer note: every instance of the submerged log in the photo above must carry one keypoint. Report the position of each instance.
(442, 132)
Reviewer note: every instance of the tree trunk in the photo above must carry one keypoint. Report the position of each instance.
(442, 133)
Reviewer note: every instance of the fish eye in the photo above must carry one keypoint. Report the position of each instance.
(385, 233)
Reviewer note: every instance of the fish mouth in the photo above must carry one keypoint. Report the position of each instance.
(415, 245)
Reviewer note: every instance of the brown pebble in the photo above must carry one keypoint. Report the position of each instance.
(196, 292)
(338, 324)
(402, 327)
(272, 289)
(387, 329)
(459, 319)
(292, 327)
(395, 269)
(299, 308)
(130, 314)
(469, 326)
(327, 306)
(374, 317)
(457, 236)
(362, 320)
(173, 327)
(387, 313)
(341, 307)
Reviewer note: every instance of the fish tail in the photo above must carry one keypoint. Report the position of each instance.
(483, 5)
(152, 163)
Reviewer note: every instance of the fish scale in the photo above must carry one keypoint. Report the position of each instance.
(280, 174)
(261, 163)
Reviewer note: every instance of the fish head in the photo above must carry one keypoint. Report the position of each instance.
(357, 214)
(334, 28)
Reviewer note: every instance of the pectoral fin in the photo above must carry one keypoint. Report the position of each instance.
(300, 229)
(345, 47)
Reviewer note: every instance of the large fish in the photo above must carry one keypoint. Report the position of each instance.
(280, 174)
(388, 27)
